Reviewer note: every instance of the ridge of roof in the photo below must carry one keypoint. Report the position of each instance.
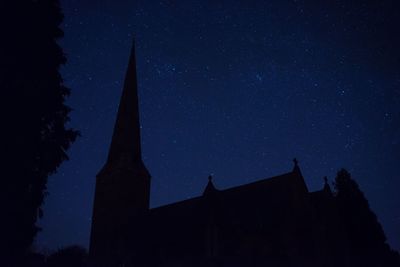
(271, 180)
(282, 178)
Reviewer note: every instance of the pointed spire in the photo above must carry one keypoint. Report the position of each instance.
(125, 142)
(210, 188)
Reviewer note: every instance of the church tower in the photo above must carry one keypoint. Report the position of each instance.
(123, 185)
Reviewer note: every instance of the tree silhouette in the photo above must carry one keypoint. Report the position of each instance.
(73, 256)
(36, 137)
(365, 234)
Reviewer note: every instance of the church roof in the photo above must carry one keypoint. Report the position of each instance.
(277, 187)
(268, 203)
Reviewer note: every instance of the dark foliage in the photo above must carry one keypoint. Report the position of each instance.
(365, 234)
(35, 116)
(73, 256)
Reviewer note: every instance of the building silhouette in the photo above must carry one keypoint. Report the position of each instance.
(271, 222)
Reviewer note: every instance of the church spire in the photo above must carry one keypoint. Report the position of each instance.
(123, 185)
(125, 144)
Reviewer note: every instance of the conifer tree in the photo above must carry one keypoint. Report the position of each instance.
(367, 240)
(36, 136)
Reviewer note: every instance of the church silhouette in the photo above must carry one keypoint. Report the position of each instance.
(271, 222)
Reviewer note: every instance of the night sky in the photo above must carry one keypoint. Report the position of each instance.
(236, 89)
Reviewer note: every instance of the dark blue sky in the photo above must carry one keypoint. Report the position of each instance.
(236, 89)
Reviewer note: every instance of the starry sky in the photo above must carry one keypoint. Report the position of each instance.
(236, 89)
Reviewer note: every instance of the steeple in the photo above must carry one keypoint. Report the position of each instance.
(125, 144)
(123, 185)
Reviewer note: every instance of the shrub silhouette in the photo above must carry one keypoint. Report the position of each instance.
(73, 256)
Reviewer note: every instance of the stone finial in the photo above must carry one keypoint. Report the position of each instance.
(210, 188)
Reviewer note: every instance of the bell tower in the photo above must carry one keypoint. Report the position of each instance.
(123, 184)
